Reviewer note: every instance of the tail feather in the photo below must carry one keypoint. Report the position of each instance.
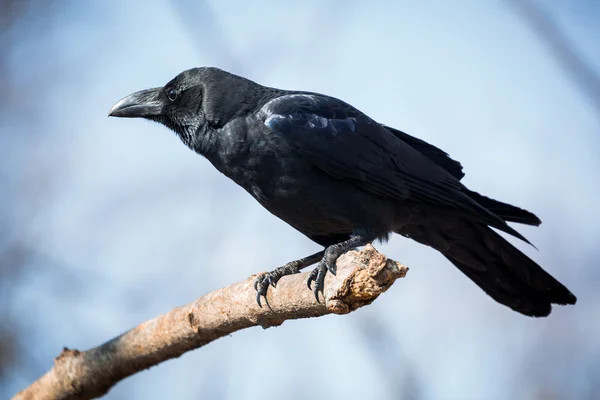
(501, 270)
(506, 211)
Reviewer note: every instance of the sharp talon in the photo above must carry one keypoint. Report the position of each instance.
(258, 299)
(311, 278)
(332, 268)
(316, 292)
(318, 277)
(319, 288)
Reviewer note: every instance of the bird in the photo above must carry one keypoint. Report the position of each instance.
(345, 180)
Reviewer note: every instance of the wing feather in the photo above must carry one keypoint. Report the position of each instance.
(348, 145)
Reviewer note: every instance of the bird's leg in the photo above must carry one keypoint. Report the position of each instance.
(262, 282)
(332, 253)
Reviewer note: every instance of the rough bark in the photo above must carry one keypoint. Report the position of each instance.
(361, 278)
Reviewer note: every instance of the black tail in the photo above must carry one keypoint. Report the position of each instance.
(500, 269)
(505, 211)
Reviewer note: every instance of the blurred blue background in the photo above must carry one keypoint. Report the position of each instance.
(108, 222)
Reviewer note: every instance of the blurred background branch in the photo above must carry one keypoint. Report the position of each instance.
(564, 51)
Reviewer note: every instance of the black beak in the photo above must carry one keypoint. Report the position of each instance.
(142, 104)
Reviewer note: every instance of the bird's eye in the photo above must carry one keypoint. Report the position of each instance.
(171, 94)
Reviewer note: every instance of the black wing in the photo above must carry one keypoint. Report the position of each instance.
(435, 154)
(348, 145)
(440, 157)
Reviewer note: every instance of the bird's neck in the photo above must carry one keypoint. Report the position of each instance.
(216, 146)
(203, 142)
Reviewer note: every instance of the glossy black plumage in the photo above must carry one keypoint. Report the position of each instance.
(343, 180)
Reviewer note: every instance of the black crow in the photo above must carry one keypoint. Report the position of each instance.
(345, 180)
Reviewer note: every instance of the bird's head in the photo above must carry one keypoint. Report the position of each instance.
(193, 102)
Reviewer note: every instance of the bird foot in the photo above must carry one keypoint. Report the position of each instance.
(317, 276)
(326, 259)
(263, 281)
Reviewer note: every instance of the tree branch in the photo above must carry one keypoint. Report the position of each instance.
(361, 278)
